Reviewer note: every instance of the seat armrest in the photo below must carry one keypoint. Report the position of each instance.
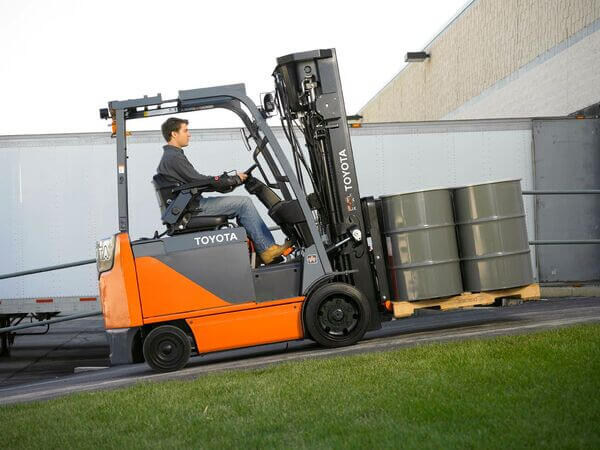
(184, 187)
(176, 208)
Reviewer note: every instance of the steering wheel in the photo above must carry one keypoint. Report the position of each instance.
(250, 169)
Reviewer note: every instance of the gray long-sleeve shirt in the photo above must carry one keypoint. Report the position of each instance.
(176, 167)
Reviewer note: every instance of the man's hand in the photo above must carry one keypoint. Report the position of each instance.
(243, 176)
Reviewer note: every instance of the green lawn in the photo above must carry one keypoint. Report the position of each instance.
(539, 390)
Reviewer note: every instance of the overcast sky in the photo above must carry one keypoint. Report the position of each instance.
(63, 60)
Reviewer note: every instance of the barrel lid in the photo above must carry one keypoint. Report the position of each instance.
(503, 180)
(440, 188)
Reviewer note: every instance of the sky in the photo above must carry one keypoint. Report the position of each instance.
(61, 61)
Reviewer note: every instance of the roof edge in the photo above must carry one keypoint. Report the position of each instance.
(453, 19)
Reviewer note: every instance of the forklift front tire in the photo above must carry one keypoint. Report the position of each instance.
(167, 348)
(336, 315)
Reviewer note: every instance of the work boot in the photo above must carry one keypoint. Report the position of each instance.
(275, 251)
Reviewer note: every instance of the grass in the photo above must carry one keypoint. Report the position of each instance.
(539, 390)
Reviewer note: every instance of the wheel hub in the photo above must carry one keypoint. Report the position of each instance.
(166, 348)
(338, 316)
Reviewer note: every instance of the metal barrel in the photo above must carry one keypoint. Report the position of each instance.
(422, 253)
(492, 236)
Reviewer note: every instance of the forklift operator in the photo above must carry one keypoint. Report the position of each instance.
(175, 166)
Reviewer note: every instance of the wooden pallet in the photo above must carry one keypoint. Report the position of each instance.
(466, 300)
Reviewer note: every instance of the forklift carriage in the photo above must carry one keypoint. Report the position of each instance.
(197, 287)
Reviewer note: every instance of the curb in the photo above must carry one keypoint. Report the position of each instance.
(570, 291)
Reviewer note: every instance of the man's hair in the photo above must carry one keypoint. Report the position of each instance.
(170, 125)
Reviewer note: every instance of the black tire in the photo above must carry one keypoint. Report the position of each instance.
(336, 315)
(167, 348)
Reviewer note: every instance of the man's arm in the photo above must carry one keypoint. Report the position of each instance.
(186, 171)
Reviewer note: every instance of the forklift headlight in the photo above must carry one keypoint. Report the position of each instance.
(105, 254)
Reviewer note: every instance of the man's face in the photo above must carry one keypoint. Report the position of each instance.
(181, 137)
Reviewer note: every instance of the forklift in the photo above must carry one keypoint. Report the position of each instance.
(198, 287)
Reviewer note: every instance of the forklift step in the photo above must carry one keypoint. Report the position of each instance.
(468, 300)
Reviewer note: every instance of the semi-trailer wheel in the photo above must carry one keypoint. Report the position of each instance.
(167, 348)
(336, 315)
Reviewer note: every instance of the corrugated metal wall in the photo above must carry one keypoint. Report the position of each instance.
(567, 157)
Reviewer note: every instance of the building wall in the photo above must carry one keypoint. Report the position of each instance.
(487, 48)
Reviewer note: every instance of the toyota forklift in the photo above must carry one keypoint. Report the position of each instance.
(198, 287)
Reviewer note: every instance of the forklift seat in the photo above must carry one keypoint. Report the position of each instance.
(189, 219)
(201, 223)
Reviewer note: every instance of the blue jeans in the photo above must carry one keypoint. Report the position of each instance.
(245, 212)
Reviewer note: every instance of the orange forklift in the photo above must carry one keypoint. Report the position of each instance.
(198, 287)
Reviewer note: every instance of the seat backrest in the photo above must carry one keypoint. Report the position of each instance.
(163, 187)
(186, 221)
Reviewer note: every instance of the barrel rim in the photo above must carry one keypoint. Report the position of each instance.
(501, 254)
(498, 287)
(420, 227)
(426, 263)
(438, 188)
(483, 183)
(488, 219)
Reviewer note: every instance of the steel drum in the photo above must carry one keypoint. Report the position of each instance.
(422, 253)
(492, 236)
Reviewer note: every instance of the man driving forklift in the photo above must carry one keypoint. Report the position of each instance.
(175, 167)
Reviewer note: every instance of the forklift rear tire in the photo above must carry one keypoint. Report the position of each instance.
(167, 348)
(336, 315)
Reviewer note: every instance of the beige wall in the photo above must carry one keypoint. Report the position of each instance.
(489, 41)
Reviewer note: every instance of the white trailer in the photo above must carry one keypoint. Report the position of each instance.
(59, 191)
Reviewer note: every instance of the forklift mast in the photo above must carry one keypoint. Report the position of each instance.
(310, 99)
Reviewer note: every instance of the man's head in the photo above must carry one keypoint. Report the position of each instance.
(175, 132)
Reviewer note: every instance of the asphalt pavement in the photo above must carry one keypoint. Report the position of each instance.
(43, 367)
